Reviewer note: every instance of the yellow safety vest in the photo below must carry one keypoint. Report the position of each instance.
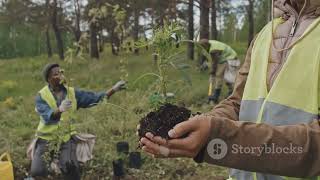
(64, 128)
(227, 52)
(294, 96)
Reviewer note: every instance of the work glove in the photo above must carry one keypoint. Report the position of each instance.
(120, 85)
(65, 105)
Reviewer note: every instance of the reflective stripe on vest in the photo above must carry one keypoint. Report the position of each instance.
(291, 99)
(64, 128)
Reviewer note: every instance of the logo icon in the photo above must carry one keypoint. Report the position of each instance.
(217, 149)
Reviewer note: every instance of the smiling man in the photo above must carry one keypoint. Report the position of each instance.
(55, 104)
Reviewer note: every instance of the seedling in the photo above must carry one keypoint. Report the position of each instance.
(165, 42)
(165, 116)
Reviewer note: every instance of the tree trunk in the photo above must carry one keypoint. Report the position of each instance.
(77, 31)
(162, 7)
(204, 19)
(136, 28)
(190, 30)
(78, 18)
(56, 30)
(235, 35)
(101, 42)
(214, 32)
(49, 49)
(173, 10)
(204, 24)
(115, 43)
(77, 35)
(48, 44)
(251, 21)
(94, 51)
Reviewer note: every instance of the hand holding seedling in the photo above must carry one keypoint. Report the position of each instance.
(120, 85)
(65, 105)
(197, 131)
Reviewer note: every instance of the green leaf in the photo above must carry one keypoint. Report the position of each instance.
(156, 100)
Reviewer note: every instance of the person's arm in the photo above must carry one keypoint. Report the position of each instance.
(49, 115)
(86, 99)
(292, 150)
(215, 56)
(109, 93)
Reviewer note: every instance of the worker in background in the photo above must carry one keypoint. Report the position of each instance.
(56, 104)
(224, 66)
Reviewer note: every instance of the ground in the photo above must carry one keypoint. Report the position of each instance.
(20, 79)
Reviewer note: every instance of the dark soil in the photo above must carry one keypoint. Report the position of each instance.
(163, 120)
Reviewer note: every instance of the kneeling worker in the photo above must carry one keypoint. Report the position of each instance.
(56, 103)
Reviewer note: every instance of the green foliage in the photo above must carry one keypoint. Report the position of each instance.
(26, 41)
(230, 28)
(164, 44)
(156, 100)
(119, 15)
(123, 69)
(99, 13)
(22, 29)
(19, 41)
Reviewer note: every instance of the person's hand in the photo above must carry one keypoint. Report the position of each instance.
(120, 85)
(65, 105)
(197, 129)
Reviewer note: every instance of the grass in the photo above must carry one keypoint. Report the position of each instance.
(21, 79)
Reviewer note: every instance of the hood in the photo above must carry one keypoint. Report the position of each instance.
(293, 7)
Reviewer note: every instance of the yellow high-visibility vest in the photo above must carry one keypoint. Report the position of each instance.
(227, 52)
(294, 96)
(64, 128)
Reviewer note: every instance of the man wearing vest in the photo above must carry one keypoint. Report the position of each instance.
(55, 105)
(221, 54)
(269, 128)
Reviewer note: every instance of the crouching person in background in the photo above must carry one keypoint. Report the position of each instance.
(56, 104)
(224, 67)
